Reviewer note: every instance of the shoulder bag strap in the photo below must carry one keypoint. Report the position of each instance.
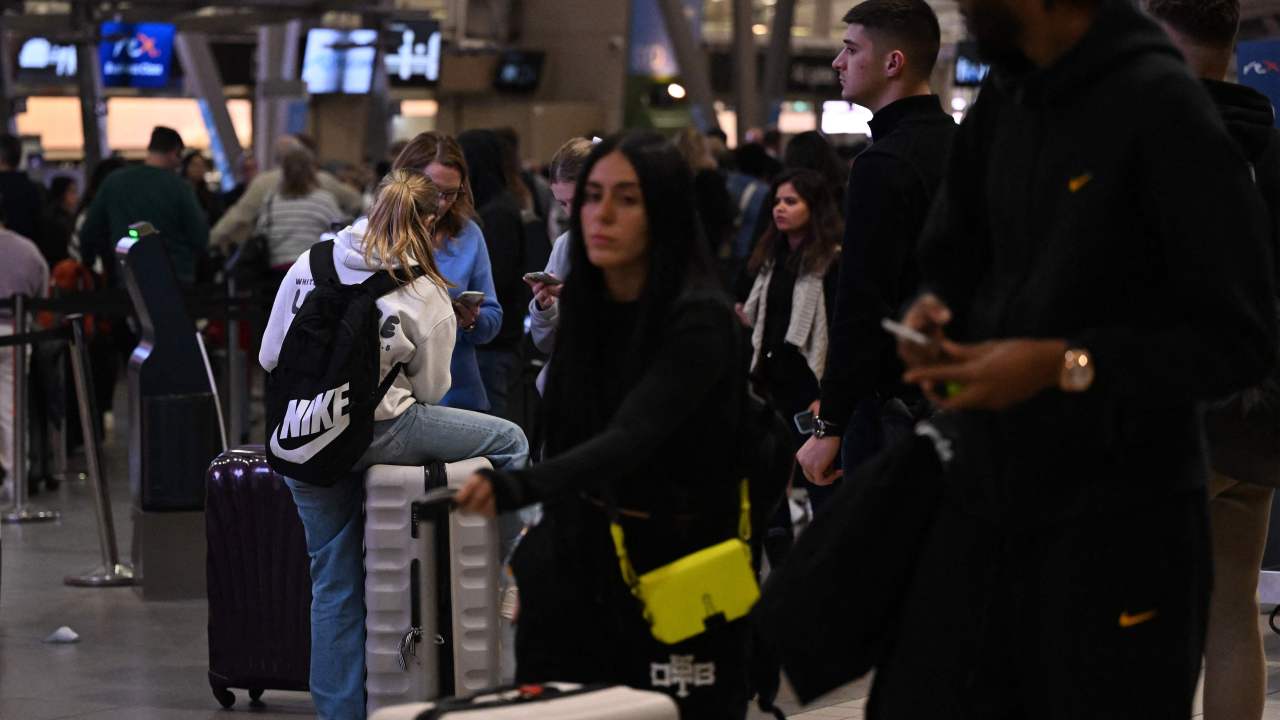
(323, 269)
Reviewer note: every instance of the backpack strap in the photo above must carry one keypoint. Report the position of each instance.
(382, 282)
(322, 268)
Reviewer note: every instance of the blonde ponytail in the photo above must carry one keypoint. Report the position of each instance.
(401, 224)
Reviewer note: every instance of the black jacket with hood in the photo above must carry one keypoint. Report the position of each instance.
(1244, 431)
(499, 216)
(1101, 200)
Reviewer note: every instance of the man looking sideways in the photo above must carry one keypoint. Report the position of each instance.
(889, 52)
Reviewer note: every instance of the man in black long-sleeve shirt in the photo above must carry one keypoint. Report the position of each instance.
(1098, 259)
(889, 52)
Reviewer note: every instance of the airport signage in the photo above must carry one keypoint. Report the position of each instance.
(136, 55)
(1259, 68)
(41, 61)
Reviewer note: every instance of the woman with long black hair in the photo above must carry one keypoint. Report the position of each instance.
(643, 411)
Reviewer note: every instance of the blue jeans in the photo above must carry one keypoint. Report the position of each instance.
(333, 518)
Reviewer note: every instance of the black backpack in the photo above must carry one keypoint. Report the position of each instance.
(322, 394)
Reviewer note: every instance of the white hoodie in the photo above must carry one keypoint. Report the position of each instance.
(418, 325)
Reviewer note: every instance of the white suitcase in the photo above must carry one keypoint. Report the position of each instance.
(410, 654)
(563, 701)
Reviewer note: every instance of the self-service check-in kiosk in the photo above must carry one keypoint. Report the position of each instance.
(174, 425)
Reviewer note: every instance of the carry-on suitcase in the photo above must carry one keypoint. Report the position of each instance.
(563, 701)
(431, 588)
(259, 579)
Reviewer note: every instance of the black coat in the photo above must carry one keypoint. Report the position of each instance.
(1244, 430)
(1102, 201)
(891, 187)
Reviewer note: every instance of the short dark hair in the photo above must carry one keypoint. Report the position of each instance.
(910, 23)
(1210, 22)
(165, 140)
(10, 150)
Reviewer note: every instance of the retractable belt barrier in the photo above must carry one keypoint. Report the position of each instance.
(212, 302)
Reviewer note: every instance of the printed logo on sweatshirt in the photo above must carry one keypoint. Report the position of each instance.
(311, 425)
(1076, 184)
(681, 673)
(1128, 621)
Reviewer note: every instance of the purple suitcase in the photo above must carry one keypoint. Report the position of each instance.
(259, 579)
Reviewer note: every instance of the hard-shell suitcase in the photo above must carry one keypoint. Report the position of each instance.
(259, 579)
(431, 588)
(563, 701)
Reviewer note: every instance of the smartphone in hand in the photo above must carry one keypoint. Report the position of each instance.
(906, 334)
(472, 298)
(542, 277)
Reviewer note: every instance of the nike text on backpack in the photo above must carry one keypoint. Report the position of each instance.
(322, 394)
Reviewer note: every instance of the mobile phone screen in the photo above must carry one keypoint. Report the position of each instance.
(804, 422)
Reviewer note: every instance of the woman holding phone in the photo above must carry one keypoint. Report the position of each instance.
(643, 411)
(463, 259)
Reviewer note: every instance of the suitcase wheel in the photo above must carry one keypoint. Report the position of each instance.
(255, 697)
(225, 697)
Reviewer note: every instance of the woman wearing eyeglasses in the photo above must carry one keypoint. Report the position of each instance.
(463, 259)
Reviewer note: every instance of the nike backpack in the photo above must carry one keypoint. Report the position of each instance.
(322, 394)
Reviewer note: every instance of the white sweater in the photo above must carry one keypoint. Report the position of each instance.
(418, 326)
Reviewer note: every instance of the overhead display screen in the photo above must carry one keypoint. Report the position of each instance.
(415, 57)
(339, 61)
(137, 55)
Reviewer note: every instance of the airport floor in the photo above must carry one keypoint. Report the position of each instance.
(141, 660)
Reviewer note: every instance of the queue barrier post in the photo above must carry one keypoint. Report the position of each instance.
(112, 572)
(22, 512)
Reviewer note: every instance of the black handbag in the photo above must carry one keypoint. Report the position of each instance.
(853, 565)
(251, 263)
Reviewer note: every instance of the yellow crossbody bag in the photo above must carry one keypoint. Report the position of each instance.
(713, 586)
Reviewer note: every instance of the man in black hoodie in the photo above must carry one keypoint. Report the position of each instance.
(1097, 260)
(1243, 431)
(499, 212)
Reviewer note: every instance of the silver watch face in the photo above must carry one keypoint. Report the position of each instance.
(1077, 376)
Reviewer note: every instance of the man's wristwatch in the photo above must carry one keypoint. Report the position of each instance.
(822, 429)
(1077, 371)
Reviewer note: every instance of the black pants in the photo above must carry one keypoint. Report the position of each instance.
(579, 623)
(1102, 617)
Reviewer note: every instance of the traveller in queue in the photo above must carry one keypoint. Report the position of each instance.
(1096, 268)
(498, 213)
(152, 192)
(24, 272)
(1243, 430)
(237, 223)
(463, 259)
(795, 265)
(410, 428)
(296, 213)
(643, 409)
(890, 49)
(544, 310)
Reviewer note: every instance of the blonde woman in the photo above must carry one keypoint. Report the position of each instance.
(418, 329)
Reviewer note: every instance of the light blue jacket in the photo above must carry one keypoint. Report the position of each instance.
(464, 261)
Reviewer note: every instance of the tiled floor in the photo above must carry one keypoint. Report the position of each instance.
(148, 660)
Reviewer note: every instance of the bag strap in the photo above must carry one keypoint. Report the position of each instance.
(323, 269)
(629, 575)
(382, 282)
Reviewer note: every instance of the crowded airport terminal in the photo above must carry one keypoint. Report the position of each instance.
(639, 359)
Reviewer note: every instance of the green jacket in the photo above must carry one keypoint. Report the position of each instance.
(145, 193)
